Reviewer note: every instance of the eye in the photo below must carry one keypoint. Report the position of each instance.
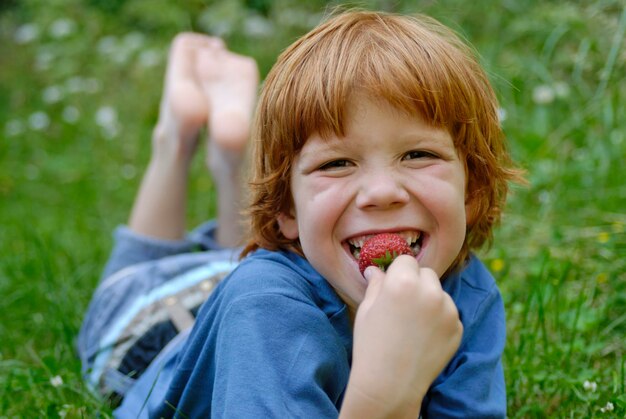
(335, 164)
(419, 154)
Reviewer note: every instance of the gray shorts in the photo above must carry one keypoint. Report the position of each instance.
(149, 294)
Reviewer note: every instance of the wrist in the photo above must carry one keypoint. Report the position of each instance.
(360, 404)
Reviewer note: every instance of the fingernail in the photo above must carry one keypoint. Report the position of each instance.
(368, 273)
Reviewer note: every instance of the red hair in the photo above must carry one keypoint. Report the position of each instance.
(412, 62)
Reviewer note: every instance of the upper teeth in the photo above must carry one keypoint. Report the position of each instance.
(410, 237)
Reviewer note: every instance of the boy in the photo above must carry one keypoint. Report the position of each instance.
(371, 123)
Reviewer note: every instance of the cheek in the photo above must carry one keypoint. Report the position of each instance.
(320, 200)
(445, 199)
(449, 211)
(455, 223)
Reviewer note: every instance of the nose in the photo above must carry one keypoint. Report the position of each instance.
(381, 189)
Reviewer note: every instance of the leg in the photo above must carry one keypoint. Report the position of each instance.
(230, 83)
(204, 83)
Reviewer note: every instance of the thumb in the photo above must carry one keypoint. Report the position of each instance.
(374, 277)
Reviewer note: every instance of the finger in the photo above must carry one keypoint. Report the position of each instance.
(375, 278)
(403, 262)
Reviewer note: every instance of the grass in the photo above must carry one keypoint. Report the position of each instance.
(79, 89)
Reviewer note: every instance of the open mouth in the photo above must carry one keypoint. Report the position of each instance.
(413, 238)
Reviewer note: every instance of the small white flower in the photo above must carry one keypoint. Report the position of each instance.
(52, 94)
(26, 33)
(149, 58)
(545, 198)
(561, 89)
(110, 132)
(121, 56)
(91, 85)
(221, 28)
(501, 115)
(299, 18)
(39, 121)
(314, 19)
(78, 84)
(107, 45)
(258, 27)
(61, 28)
(591, 386)
(106, 116)
(543, 95)
(70, 114)
(293, 17)
(56, 381)
(129, 171)
(607, 408)
(133, 41)
(43, 60)
(74, 84)
(13, 128)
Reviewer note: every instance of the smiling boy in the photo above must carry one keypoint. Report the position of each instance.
(378, 123)
(371, 123)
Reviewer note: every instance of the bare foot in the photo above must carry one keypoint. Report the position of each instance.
(230, 82)
(184, 106)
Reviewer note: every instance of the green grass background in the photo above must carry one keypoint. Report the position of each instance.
(79, 89)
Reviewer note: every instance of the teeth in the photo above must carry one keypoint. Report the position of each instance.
(411, 238)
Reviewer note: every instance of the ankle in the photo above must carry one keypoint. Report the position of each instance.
(169, 143)
(224, 163)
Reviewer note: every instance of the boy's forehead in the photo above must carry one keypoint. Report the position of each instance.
(361, 106)
(364, 110)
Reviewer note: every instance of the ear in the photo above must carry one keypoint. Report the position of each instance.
(288, 225)
(471, 210)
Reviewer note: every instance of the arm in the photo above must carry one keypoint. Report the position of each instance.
(268, 356)
(276, 356)
(406, 330)
(472, 385)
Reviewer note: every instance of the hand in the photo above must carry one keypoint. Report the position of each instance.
(406, 330)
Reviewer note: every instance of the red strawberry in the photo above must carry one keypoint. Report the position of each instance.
(380, 250)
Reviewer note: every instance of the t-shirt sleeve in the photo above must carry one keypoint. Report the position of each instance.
(267, 356)
(472, 385)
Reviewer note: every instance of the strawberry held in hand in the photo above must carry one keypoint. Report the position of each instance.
(380, 250)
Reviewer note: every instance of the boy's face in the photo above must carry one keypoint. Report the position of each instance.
(391, 173)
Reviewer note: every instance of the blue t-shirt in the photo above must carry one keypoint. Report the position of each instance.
(274, 340)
